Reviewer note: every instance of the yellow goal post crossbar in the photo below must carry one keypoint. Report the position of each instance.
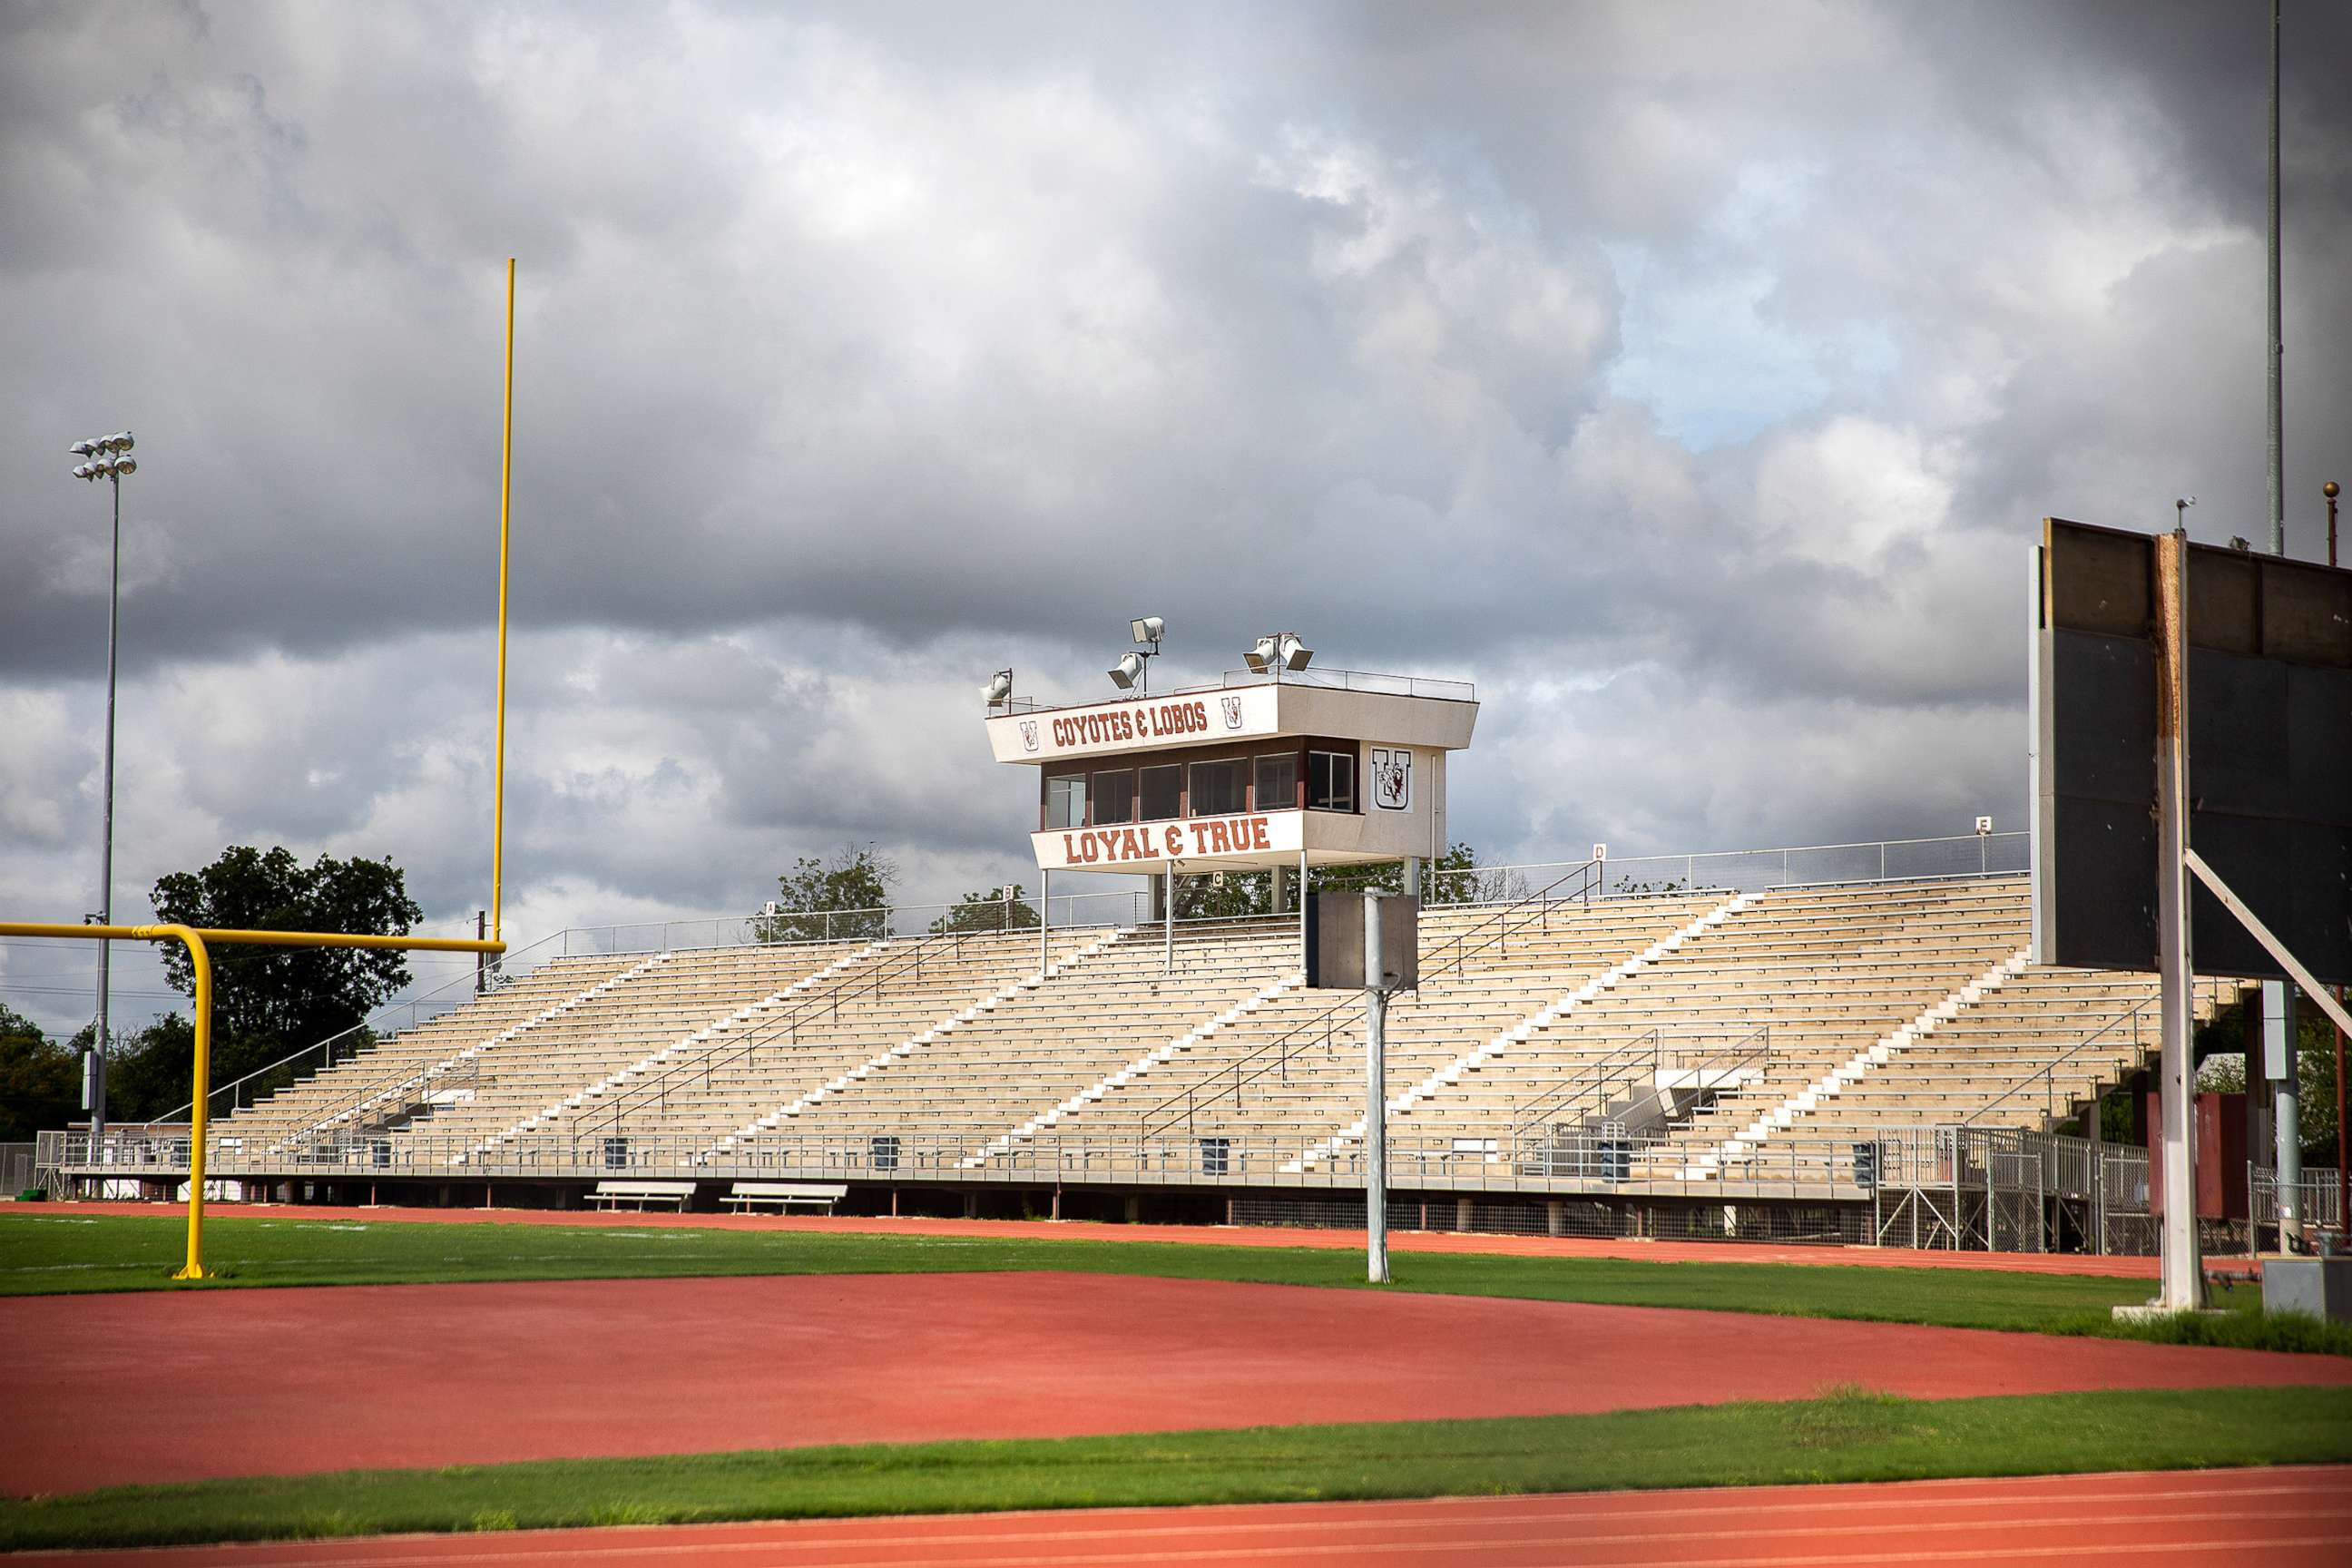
(199, 941)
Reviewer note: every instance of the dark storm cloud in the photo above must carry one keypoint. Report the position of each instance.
(1691, 375)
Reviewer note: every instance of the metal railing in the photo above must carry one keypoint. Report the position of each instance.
(1809, 1169)
(872, 923)
(2318, 1200)
(1494, 931)
(2047, 1074)
(905, 962)
(386, 1022)
(1556, 1129)
(1799, 866)
(1229, 1080)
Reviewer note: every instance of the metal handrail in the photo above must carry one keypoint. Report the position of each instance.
(364, 1026)
(1607, 1068)
(1500, 923)
(909, 957)
(1145, 1127)
(354, 1102)
(2047, 1072)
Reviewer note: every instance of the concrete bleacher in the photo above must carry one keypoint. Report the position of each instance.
(1036, 1047)
(1782, 987)
(1291, 1071)
(1779, 1025)
(711, 1084)
(378, 1073)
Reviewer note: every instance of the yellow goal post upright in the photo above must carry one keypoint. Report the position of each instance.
(199, 941)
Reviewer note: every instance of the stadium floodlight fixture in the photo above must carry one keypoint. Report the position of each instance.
(998, 689)
(1132, 672)
(2180, 511)
(106, 457)
(1279, 651)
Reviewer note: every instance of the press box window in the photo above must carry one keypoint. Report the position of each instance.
(1162, 793)
(1277, 782)
(1115, 797)
(1330, 781)
(1217, 788)
(1065, 801)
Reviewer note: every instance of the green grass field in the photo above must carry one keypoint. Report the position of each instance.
(51, 1253)
(1846, 1435)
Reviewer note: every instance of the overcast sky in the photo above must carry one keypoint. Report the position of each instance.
(1691, 377)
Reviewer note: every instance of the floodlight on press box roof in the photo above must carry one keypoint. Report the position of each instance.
(998, 689)
(1295, 654)
(1127, 671)
(1261, 659)
(1148, 628)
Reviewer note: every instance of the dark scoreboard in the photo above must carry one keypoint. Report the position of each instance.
(2270, 754)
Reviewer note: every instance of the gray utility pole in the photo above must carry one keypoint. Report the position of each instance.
(1376, 1098)
(2278, 348)
(2278, 998)
(2183, 1278)
(106, 457)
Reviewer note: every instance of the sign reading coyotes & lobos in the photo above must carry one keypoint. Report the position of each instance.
(1137, 724)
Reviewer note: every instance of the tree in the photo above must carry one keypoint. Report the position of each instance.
(268, 1002)
(154, 1070)
(846, 897)
(40, 1079)
(1457, 877)
(990, 910)
(2222, 1044)
(1461, 877)
(1224, 895)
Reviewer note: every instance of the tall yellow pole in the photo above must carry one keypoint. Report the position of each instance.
(201, 961)
(506, 493)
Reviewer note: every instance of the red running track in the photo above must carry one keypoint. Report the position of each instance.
(2280, 1518)
(292, 1381)
(1204, 1235)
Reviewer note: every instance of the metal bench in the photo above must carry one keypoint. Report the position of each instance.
(608, 1194)
(787, 1194)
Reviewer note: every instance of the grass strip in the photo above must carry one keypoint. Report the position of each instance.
(1848, 1435)
(64, 1254)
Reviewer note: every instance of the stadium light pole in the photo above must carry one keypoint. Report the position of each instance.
(107, 458)
(2343, 1144)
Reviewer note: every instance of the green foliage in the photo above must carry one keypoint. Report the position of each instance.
(2222, 1044)
(1463, 878)
(136, 1252)
(843, 898)
(269, 1001)
(989, 910)
(154, 1070)
(1224, 895)
(2248, 1329)
(40, 1079)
